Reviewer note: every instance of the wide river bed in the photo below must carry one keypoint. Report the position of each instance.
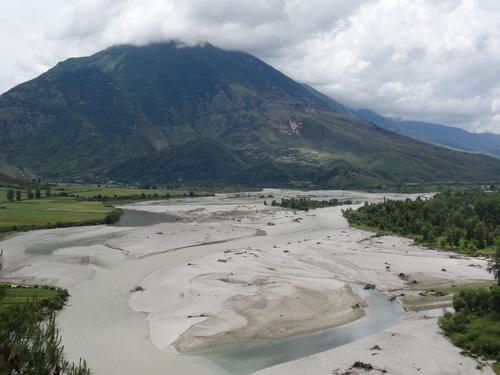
(119, 331)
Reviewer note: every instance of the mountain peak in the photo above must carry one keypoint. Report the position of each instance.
(150, 106)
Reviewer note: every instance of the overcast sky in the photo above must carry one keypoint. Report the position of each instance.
(417, 59)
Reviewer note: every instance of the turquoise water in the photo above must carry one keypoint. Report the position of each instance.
(242, 359)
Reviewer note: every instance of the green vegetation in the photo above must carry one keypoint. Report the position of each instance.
(307, 204)
(457, 288)
(465, 221)
(54, 212)
(64, 205)
(45, 298)
(29, 340)
(475, 325)
(494, 264)
(111, 193)
(205, 116)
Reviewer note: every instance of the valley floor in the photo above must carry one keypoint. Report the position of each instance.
(233, 270)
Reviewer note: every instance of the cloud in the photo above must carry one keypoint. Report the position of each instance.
(417, 59)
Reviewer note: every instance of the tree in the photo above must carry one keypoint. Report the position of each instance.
(18, 195)
(31, 343)
(453, 236)
(47, 192)
(10, 195)
(479, 232)
(29, 194)
(38, 195)
(494, 264)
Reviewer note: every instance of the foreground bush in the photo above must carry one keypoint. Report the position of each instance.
(30, 342)
(475, 325)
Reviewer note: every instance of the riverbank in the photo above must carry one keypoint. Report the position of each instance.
(71, 205)
(412, 347)
(57, 212)
(161, 268)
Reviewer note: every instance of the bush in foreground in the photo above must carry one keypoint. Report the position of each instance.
(29, 341)
(475, 325)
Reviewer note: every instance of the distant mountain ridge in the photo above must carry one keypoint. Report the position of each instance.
(443, 135)
(448, 136)
(162, 113)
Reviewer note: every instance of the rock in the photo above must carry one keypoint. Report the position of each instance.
(202, 315)
(403, 276)
(364, 366)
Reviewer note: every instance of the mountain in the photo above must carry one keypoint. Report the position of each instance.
(448, 136)
(164, 113)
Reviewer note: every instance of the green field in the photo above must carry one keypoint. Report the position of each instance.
(76, 204)
(46, 297)
(92, 190)
(51, 212)
(457, 288)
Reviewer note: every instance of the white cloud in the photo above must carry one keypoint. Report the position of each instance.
(418, 59)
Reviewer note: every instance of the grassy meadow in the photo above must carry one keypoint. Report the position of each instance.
(88, 191)
(64, 205)
(45, 297)
(50, 212)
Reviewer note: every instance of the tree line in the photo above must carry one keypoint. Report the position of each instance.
(17, 195)
(306, 204)
(467, 221)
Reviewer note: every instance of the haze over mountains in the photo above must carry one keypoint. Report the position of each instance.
(488, 143)
(448, 136)
(164, 114)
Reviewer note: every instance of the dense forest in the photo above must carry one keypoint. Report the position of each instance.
(307, 204)
(467, 221)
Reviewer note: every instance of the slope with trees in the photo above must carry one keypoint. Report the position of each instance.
(202, 115)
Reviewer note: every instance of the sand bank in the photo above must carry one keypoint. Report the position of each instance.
(413, 347)
(242, 270)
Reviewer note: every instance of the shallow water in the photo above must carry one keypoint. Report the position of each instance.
(129, 218)
(135, 218)
(242, 359)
